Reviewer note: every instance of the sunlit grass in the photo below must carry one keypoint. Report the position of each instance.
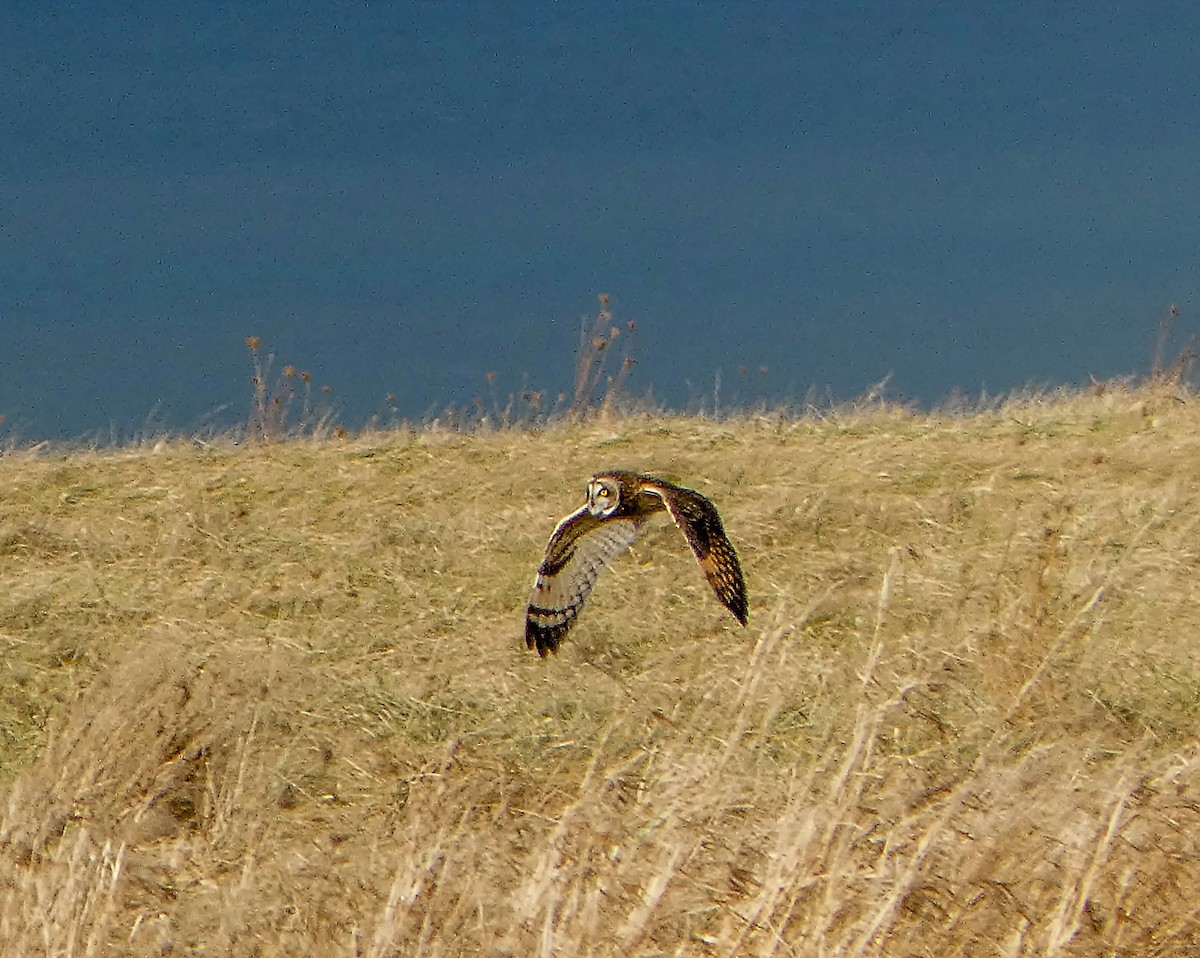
(274, 699)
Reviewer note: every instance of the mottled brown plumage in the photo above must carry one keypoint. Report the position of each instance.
(618, 505)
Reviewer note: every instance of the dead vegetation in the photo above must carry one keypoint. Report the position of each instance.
(274, 700)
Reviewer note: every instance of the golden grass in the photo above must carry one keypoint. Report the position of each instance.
(274, 700)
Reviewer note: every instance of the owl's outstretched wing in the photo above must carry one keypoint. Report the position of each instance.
(699, 521)
(579, 549)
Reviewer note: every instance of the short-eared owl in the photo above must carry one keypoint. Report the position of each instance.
(618, 505)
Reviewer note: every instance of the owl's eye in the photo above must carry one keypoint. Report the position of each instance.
(604, 492)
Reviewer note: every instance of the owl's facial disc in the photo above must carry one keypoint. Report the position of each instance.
(602, 497)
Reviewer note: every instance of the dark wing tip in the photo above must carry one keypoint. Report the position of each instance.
(731, 591)
(738, 605)
(544, 638)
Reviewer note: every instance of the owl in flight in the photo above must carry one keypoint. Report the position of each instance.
(617, 509)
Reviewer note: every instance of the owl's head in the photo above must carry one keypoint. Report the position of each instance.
(603, 496)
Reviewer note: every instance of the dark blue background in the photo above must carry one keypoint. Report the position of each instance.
(403, 197)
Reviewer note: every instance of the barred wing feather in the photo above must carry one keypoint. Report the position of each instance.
(699, 521)
(581, 546)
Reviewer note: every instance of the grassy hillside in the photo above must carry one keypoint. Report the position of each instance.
(275, 700)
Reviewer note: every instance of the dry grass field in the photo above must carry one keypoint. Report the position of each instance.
(273, 699)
